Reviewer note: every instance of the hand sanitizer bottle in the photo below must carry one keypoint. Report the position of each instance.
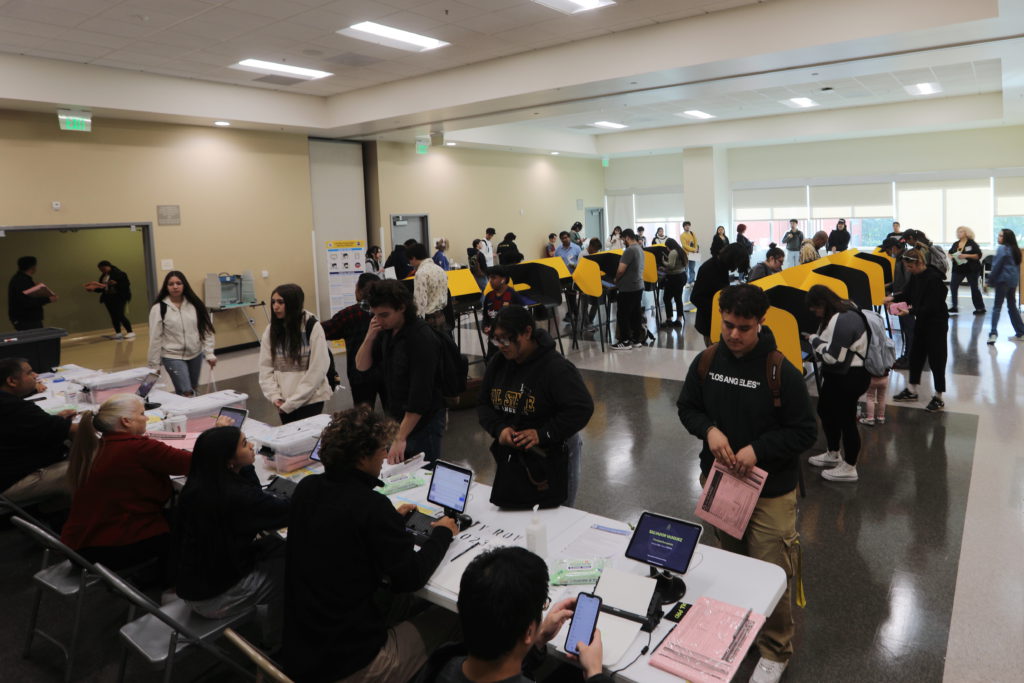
(537, 535)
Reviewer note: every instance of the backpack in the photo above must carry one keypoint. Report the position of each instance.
(938, 258)
(333, 379)
(881, 352)
(453, 368)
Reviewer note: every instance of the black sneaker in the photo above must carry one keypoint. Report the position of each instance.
(953, 311)
(935, 405)
(622, 346)
(905, 395)
(981, 311)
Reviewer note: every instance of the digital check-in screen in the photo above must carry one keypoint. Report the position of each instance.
(449, 487)
(664, 542)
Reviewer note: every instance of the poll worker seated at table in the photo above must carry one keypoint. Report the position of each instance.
(502, 598)
(223, 569)
(120, 482)
(32, 451)
(349, 563)
(534, 403)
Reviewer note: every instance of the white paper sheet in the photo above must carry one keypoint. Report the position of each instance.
(625, 591)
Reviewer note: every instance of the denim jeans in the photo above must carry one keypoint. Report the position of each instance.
(184, 374)
(1009, 294)
(428, 439)
(792, 259)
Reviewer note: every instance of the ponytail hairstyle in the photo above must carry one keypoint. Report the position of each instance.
(86, 444)
(286, 333)
(820, 295)
(202, 315)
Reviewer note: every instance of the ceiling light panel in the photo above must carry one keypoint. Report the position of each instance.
(610, 124)
(800, 102)
(924, 89)
(390, 36)
(696, 114)
(574, 6)
(261, 67)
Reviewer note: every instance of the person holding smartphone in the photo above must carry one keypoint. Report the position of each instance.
(502, 599)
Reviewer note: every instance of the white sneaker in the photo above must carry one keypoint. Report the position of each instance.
(1017, 338)
(118, 337)
(130, 335)
(826, 459)
(841, 472)
(768, 671)
(992, 339)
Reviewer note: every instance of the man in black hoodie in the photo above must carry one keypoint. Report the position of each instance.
(731, 409)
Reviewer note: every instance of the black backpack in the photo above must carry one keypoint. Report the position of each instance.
(453, 368)
(333, 379)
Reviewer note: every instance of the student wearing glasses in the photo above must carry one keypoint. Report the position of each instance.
(532, 398)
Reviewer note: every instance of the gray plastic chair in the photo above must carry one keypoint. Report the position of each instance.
(68, 579)
(163, 632)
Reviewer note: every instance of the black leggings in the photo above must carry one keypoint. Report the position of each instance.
(302, 413)
(366, 392)
(837, 408)
(930, 341)
(115, 308)
(630, 312)
(972, 279)
(674, 284)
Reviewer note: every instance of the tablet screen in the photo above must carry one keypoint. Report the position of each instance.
(237, 415)
(315, 454)
(664, 542)
(147, 384)
(449, 486)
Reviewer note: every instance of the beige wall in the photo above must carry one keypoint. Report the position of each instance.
(651, 170)
(953, 150)
(466, 190)
(244, 195)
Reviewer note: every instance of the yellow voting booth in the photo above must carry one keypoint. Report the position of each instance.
(876, 276)
(462, 283)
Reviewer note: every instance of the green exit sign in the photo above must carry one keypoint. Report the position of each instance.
(73, 119)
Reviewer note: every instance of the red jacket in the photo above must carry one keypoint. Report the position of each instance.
(122, 500)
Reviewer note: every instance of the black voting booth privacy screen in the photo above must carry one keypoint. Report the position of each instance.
(857, 284)
(41, 348)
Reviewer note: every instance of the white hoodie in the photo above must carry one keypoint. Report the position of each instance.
(306, 381)
(177, 335)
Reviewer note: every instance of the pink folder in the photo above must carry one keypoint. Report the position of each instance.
(727, 500)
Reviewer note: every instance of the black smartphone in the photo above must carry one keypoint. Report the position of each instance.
(584, 621)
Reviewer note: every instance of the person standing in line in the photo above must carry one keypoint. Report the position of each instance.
(589, 304)
(486, 247)
(293, 357)
(714, 275)
(576, 234)
(180, 334)
(659, 237)
(494, 301)
(792, 240)
(841, 343)
(926, 296)
(533, 397)
(25, 312)
(440, 247)
(966, 257)
(1005, 277)
(630, 282)
(895, 234)
(549, 248)
(430, 288)
(409, 354)
(810, 250)
(374, 262)
(719, 241)
(399, 260)
(894, 248)
(675, 280)
(477, 262)
(838, 239)
(508, 252)
(730, 408)
(115, 293)
(640, 238)
(772, 264)
(351, 324)
(742, 239)
(615, 240)
(688, 240)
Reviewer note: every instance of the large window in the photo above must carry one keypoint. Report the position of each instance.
(939, 207)
(1009, 206)
(659, 209)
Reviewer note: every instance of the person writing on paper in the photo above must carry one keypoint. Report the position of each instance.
(32, 452)
(180, 334)
(727, 401)
(294, 358)
(25, 311)
(502, 598)
(408, 353)
(966, 256)
(351, 565)
(533, 402)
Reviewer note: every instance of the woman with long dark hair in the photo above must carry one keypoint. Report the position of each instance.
(222, 569)
(115, 292)
(615, 239)
(719, 241)
(675, 280)
(293, 357)
(180, 333)
(1005, 277)
(374, 262)
(841, 343)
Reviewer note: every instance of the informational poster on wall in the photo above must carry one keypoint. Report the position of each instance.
(346, 260)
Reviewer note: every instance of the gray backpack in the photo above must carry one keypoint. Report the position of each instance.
(881, 352)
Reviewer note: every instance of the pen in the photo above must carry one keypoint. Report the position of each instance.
(464, 551)
(663, 639)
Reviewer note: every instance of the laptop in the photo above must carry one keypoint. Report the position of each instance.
(449, 488)
(146, 387)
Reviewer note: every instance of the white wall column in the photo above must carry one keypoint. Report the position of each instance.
(706, 189)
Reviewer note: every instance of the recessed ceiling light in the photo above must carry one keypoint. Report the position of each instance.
(610, 124)
(262, 67)
(391, 37)
(923, 89)
(574, 6)
(696, 114)
(555, 154)
(800, 102)
(449, 144)
(222, 123)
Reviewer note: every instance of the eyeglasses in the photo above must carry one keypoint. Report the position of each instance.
(501, 342)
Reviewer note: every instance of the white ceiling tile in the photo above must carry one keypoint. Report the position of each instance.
(494, 5)
(913, 76)
(275, 9)
(151, 19)
(89, 38)
(182, 9)
(287, 30)
(320, 18)
(10, 42)
(184, 40)
(116, 28)
(447, 11)
(44, 14)
(159, 49)
(355, 11)
(139, 58)
(31, 28)
(410, 21)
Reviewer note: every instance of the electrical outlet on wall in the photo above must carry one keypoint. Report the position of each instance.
(166, 264)
(265, 273)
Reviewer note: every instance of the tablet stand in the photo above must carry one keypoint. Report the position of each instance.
(670, 588)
